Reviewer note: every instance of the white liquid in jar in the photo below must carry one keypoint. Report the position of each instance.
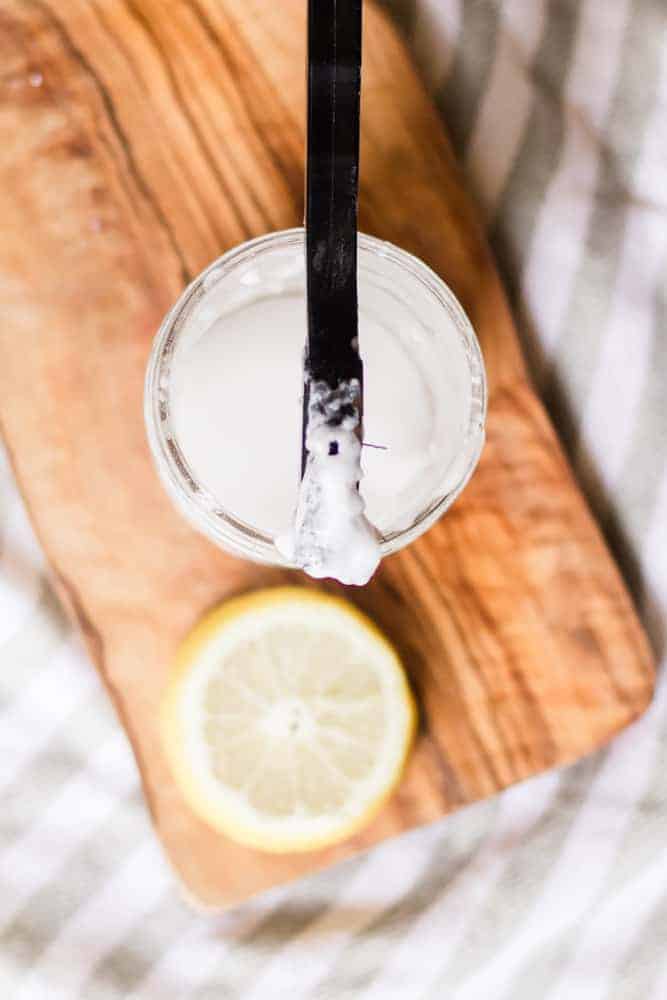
(236, 389)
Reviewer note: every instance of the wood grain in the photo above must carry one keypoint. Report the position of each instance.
(140, 139)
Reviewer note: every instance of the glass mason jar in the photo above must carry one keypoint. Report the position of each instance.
(397, 291)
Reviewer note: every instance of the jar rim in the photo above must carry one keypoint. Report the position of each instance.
(190, 496)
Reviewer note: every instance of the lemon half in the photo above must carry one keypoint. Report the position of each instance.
(287, 719)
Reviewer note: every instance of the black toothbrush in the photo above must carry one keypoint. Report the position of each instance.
(332, 181)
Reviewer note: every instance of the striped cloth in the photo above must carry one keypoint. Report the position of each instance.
(558, 888)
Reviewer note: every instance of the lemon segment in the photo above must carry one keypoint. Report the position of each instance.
(287, 719)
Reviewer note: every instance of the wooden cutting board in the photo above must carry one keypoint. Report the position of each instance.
(140, 139)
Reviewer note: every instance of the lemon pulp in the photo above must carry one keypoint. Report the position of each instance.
(287, 719)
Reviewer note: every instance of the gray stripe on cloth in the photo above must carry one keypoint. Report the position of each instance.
(569, 380)
(61, 760)
(639, 483)
(120, 973)
(310, 899)
(30, 649)
(639, 848)
(521, 884)
(540, 150)
(470, 69)
(32, 930)
(357, 967)
(24, 803)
